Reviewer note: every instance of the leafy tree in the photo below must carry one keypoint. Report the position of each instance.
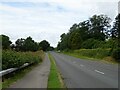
(99, 27)
(51, 48)
(44, 45)
(64, 42)
(115, 31)
(19, 44)
(75, 40)
(30, 45)
(91, 44)
(116, 34)
(5, 42)
(26, 44)
(96, 27)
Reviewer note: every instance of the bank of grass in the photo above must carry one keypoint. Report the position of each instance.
(102, 55)
(13, 77)
(55, 80)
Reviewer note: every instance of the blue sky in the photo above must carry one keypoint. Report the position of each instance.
(48, 19)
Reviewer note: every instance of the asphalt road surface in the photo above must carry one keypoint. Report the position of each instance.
(78, 73)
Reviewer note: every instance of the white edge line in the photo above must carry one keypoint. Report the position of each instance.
(81, 65)
(99, 72)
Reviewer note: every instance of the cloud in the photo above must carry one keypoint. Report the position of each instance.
(48, 19)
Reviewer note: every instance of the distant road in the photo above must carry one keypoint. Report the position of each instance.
(78, 73)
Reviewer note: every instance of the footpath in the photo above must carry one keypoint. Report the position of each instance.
(37, 78)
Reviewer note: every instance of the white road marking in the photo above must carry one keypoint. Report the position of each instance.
(99, 72)
(74, 62)
(81, 65)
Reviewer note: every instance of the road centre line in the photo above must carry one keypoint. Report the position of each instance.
(99, 72)
(81, 65)
(74, 62)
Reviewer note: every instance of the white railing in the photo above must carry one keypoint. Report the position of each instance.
(4, 72)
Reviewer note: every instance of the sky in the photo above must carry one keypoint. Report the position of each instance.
(48, 19)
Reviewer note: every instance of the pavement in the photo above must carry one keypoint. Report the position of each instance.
(36, 78)
(78, 73)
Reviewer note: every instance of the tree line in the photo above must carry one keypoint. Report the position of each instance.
(27, 44)
(96, 32)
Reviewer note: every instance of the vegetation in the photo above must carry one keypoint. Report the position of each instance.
(54, 76)
(95, 35)
(16, 55)
(5, 42)
(16, 59)
(12, 59)
(25, 45)
(44, 45)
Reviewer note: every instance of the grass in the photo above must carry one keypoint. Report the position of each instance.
(14, 77)
(54, 80)
(105, 59)
(80, 56)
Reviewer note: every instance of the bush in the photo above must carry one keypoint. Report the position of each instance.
(93, 53)
(116, 54)
(12, 59)
(91, 43)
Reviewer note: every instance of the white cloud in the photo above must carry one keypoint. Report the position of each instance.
(48, 19)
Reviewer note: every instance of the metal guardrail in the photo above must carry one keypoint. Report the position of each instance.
(4, 72)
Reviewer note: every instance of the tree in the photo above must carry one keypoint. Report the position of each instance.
(115, 31)
(116, 34)
(99, 27)
(26, 44)
(51, 48)
(64, 42)
(30, 45)
(75, 40)
(44, 45)
(19, 44)
(95, 29)
(5, 42)
(91, 44)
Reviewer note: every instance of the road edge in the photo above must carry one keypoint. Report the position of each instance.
(58, 72)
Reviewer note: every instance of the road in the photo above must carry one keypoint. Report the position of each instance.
(78, 73)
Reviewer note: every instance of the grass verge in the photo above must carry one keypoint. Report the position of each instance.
(105, 60)
(55, 80)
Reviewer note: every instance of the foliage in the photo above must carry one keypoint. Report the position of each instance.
(44, 45)
(5, 42)
(51, 48)
(64, 42)
(99, 26)
(26, 44)
(96, 28)
(30, 45)
(91, 43)
(115, 31)
(94, 33)
(116, 54)
(12, 59)
(93, 53)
